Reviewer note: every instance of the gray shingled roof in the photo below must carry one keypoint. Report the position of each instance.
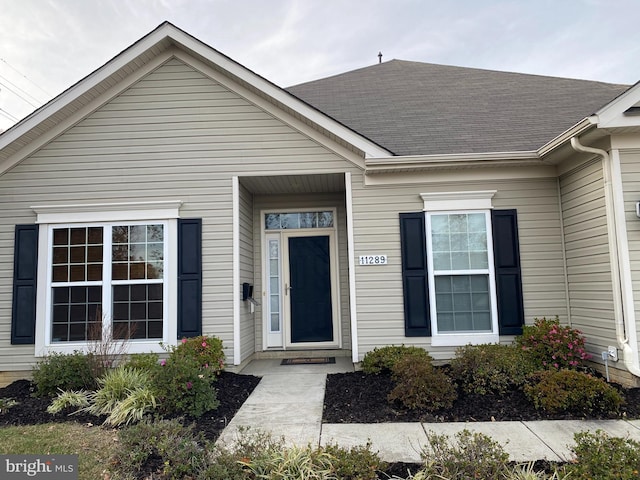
(413, 108)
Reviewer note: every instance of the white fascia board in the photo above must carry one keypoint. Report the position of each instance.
(577, 129)
(416, 162)
(612, 114)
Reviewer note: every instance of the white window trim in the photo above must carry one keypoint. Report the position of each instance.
(107, 212)
(442, 201)
(463, 338)
(106, 215)
(461, 202)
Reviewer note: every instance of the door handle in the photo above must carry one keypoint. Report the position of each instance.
(287, 288)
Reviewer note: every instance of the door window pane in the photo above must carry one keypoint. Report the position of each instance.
(275, 313)
(295, 220)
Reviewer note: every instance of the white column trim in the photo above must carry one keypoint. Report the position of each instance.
(626, 282)
(235, 236)
(353, 310)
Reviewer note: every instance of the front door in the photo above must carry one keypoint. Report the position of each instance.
(310, 289)
(301, 288)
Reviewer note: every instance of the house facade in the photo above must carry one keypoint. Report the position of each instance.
(173, 192)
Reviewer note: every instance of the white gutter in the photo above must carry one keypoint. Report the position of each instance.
(623, 310)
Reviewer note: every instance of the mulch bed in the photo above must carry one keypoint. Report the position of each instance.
(233, 390)
(360, 398)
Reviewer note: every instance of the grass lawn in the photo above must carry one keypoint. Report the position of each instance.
(93, 445)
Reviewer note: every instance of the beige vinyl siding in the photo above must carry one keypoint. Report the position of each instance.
(310, 201)
(630, 169)
(376, 230)
(174, 135)
(247, 319)
(587, 252)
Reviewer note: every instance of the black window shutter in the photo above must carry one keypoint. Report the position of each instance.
(414, 275)
(25, 274)
(506, 253)
(189, 277)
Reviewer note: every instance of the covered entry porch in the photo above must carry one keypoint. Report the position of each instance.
(294, 269)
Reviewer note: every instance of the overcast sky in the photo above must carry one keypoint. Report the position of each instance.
(48, 45)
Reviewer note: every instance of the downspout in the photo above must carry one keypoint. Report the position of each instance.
(630, 354)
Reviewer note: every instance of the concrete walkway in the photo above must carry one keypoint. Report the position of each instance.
(288, 402)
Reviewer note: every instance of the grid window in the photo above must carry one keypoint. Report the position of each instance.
(133, 287)
(461, 271)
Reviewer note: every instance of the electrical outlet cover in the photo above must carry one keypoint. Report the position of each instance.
(613, 353)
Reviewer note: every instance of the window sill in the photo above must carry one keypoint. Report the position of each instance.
(133, 346)
(462, 339)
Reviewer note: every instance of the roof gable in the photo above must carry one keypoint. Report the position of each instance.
(417, 108)
(141, 57)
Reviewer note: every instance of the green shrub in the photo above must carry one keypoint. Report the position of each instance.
(58, 371)
(166, 444)
(143, 361)
(355, 463)
(182, 385)
(6, 404)
(552, 345)
(484, 369)
(603, 457)
(471, 455)
(205, 351)
(226, 459)
(291, 463)
(69, 399)
(124, 395)
(570, 391)
(418, 385)
(383, 359)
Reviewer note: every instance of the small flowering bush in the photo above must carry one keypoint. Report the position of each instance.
(553, 346)
(184, 382)
(207, 351)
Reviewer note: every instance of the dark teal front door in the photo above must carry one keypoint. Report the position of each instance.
(310, 292)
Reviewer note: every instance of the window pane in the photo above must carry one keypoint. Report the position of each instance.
(308, 220)
(462, 303)
(120, 271)
(289, 220)
(463, 237)
(135, 314)
(74, 310)
(78, 236)
(142, 247)
(155, 233)
(275, 322)
(137, 234)
(60, 255)
(272, 221)
(325, 219)
(60, 273)
(77, 273)
(61, 236)
(295, 220)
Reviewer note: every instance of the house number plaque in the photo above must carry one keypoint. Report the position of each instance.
(373, 259)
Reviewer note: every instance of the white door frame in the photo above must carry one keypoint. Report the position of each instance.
(282, 340)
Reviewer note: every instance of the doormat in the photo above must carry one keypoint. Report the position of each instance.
(308, 361)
